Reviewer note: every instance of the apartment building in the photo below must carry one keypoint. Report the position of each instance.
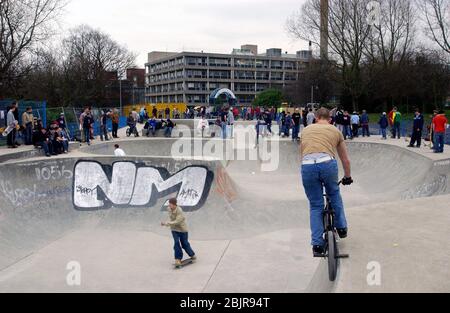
(190, 77)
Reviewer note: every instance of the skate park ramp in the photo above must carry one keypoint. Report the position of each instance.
(249, 227)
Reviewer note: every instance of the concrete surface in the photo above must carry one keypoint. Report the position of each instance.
(251, 234)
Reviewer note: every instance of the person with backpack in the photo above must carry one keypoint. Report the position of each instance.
(397, 124)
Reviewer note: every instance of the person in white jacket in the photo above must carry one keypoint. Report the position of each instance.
(203, 126)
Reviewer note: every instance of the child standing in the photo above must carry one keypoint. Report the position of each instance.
(180, 232)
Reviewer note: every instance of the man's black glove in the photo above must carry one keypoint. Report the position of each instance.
(347, 181)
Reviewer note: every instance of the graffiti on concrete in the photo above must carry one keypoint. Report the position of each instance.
(48, 173)
(30, 196)
(127, 184)
(436, 187)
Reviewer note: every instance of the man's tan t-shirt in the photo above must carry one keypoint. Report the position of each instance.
(321, 138)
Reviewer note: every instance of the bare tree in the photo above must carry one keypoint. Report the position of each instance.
(392, 39)
(91, 58)
(348, 33)
(437, 16)
(24, 24)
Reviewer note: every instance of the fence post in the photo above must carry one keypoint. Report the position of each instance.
(44, 111)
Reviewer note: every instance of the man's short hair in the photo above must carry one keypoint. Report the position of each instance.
(173, 201)
(116, 146)
(323, 114)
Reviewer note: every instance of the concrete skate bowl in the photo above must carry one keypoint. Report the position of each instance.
(49, 201)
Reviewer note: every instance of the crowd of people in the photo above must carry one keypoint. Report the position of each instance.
(53, 140)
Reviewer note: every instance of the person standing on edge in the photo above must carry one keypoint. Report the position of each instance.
(384, 124)
(319, 144)
(311, 117)
(346, 123)
(103, 126)
(268, 118)
(297, 121)
(365, 120)
(11, 121)
(231, 121)
(355, 124)
(391, 118)
(339, 121)
(440, 124)
(224, 122)
(27, 123)
(397, 124)
(419, 123)
(115, 123)
(180, 232)
(167, 112)
(86, 122)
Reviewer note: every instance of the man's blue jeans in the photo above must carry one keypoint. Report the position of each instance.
(295, 132)
(224, 131)
(168, 132)
(315, 178)
(348, 132)
(182, 243)
(397, 131)
(87, 135)
(439, 142)
(384, 133)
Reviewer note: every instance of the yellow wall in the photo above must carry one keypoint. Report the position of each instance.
(161, 107)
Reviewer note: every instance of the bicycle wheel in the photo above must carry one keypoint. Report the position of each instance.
(332, 256)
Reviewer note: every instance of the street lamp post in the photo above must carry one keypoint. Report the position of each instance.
(120, 93)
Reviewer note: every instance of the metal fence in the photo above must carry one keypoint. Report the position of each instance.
(72, 118)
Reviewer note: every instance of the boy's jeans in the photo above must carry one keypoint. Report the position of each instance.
(182, 243)
(315, 178)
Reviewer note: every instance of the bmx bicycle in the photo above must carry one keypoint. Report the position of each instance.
(331, 242)
(132, 131)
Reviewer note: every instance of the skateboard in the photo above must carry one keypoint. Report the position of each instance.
(9, 129)
(184, 264)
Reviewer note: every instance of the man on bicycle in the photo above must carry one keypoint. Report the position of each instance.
(131, 122)
(319, 144)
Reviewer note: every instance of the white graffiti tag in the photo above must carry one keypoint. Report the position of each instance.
(126, 184)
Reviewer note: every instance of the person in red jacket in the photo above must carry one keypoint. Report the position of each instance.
(391, 118)
(440, 123)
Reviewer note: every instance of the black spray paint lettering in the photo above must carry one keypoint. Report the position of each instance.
(127, 184)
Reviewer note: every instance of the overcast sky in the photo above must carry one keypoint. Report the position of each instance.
(189, 25)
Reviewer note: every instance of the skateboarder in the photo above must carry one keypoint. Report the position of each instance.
(180, 232)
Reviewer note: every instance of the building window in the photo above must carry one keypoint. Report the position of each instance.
(219, 62)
